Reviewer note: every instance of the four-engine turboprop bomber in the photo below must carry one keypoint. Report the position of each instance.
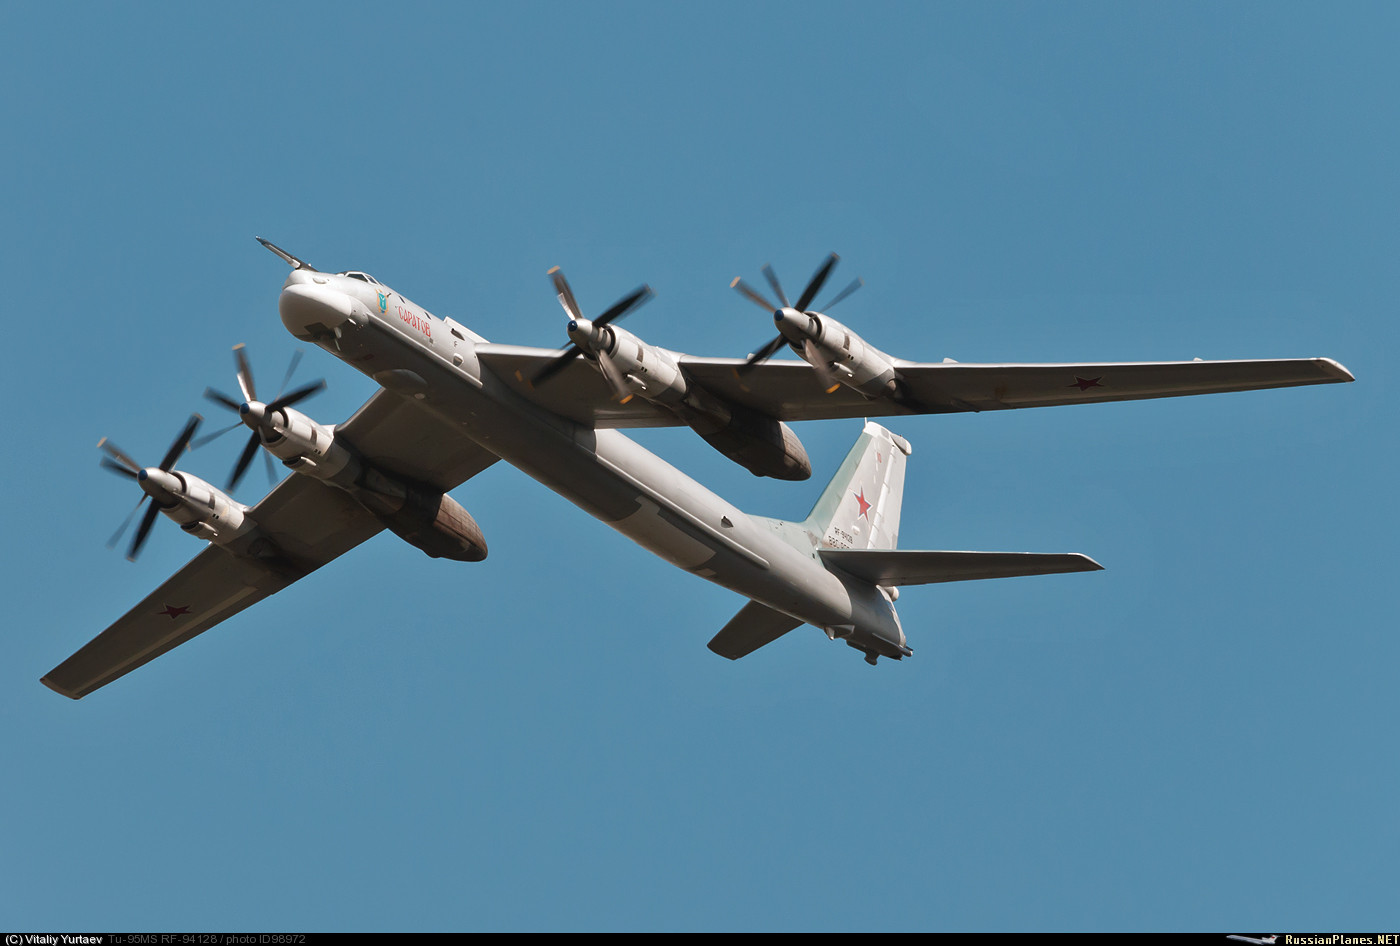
(451, 404)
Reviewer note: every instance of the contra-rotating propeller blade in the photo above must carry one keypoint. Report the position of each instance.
(297, 396)
(244, 459)
(614, 377)
(142, 531)
(566, 354)
(814, 285)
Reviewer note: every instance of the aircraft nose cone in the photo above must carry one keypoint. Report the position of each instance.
(310, 311)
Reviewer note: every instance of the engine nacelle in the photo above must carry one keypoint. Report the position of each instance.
(422, 516)
(308, 447)
(850, 359)
(649, 371)
(759, 443)
(202, 510)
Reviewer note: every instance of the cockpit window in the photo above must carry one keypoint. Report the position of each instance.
(362, 277)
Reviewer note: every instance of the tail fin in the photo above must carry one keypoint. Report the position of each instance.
(859, 509)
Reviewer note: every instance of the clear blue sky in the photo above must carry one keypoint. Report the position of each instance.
(1200, 737)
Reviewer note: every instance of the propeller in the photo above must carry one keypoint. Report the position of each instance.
(120, 463)
(252, 412)
(814, 286)
(577, 323)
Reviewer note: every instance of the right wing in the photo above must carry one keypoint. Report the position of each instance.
(308, 522)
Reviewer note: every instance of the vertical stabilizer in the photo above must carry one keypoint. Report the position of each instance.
(859, 509)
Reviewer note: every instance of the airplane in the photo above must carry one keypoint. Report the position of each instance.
(1259, 941)
(451, 404)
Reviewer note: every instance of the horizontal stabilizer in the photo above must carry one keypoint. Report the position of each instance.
(755, 625)
(890, 567)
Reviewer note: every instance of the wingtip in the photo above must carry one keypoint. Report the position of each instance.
(1089, 564)
(1336, 369)
(59, 690)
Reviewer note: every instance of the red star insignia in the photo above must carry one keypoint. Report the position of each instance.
(864, 505)
(173, 612)
(1085, 384)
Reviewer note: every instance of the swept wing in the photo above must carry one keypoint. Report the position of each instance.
(307, 522)
(791, 390)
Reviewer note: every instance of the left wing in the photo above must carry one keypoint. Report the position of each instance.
(305, 521)
(791, 391)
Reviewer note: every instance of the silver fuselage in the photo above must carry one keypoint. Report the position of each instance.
(611, 477)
